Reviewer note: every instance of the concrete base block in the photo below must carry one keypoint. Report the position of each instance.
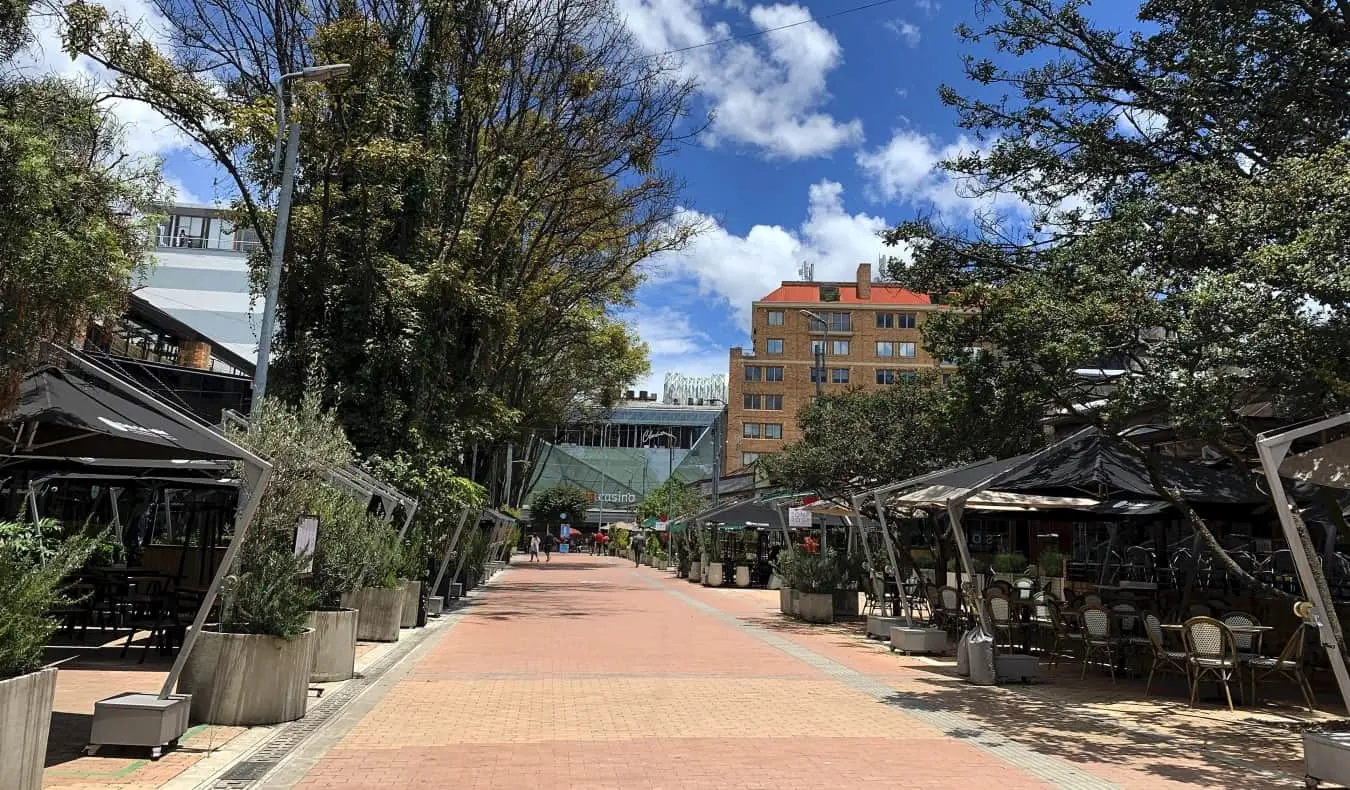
(25, 720)
(133, 719)
(248, 679)
(775, 581)
(879, 626)
(334, 645)
(815, 607)
(435, 605)
(714, 575)
(381, 611)
(1016, 667)
(917, 640)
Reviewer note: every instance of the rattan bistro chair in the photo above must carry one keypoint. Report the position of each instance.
(1099, 638)
(1164, 660)
(1289, 665)
(1212, 653)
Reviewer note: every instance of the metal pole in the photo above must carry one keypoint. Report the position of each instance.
(510, 464)
(274, 270)
(603, 477)
(449, 549)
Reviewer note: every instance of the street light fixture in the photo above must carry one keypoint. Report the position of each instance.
(824, 342)
(287, 170)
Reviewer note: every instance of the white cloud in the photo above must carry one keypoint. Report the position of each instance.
(732, 271)
(905, 170)
(929, 7)
(675, 344)
(907, 31)
(767, 93)
(146, 131)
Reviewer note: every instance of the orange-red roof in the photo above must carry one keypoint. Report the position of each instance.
(848, 294)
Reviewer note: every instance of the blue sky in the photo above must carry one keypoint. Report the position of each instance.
(823, 135)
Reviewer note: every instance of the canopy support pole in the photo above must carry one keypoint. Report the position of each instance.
(891, 555)
(449, 548)
(1273, 448)
(464, 555)
(32, 504)
(407, 522)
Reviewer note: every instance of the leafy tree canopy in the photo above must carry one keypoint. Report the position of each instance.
(548, 507)
(673, 499)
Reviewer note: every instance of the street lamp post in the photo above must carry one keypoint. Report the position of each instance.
(287, 170)
(670, 471)
(820, 357)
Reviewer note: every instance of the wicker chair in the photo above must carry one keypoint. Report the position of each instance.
(1248, 643)
(1212, 653)
(1046, 618)
(1163, 659)
(1000, 611)
(1098, 637)
(1288, 665)
(953, 615)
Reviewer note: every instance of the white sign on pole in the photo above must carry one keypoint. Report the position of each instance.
(799, 517)
(306, 540)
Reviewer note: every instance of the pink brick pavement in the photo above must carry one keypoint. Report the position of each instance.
(586, 673)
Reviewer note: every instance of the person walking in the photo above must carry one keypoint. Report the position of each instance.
(534, 548)
(548, 547)
(639, 543)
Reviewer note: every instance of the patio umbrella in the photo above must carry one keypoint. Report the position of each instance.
(62, 414)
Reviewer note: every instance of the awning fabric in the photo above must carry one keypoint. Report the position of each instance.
(61, 414)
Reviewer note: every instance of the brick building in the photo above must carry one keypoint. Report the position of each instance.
(871, 339)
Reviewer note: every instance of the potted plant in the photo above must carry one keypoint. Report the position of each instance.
(784, 566)
(1008, 566)
(850, 575)
(1051, 567)
(379, 598)
(33, 569)
(412, 569)
(340, 567)
(253, 666)
(927, 565)
(712, 565)
(816, 579)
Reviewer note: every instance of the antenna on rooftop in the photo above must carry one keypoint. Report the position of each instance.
(807, 271)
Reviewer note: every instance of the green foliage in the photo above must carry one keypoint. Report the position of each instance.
(925, 560)
(1051, 563)
(34, 544)
(30, 586)
(386, 557)
(107, 550)
(442, 497)
(810, 572)
(683, 500)
(547, 507)
(867, 436)
(302, 443)
(346, 547)
(269, 598)
(1012, 562)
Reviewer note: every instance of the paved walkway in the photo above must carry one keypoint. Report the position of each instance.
(588, 673)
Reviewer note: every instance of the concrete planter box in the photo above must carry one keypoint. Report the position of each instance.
(1326, 758)
(695, 571)
(742, 576)
(412, 592)
(845, 603)
(381, 611)
(1016, 667)
(775, 581)
(794, 596)
(879, 626)
(334, 644)
(815, 607)
(714, 575)
(435, 605)
(248, 679)
(918, 640)
(25, 720)
(785, 600)
(456, 590)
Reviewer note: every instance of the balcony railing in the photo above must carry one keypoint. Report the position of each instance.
(184, 241)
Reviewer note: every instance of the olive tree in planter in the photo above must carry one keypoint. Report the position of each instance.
(253, 666)
(816, 578)
(341, 560)
(379, 598)
(32, 574)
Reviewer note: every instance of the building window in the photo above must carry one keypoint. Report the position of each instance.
(775, 318)
(773, 402)
(758, 402)
(817, 375)
(908, 376)
(773, 430)
(752, 372)
(817, 347)
(908, 320)
(773, 374)
(838, 322)
(885, 376)
(839, 348)
(885, 320)
(946, 379)
(750, 430)
(773, 345)
(753, 401)
(905, 350)
(749, 458)
(885, 348)
(838, 375)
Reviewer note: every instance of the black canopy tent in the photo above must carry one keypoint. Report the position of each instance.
(84, 410)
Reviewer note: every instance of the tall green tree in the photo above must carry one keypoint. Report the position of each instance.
(1183, 251)
(74, 210)
(473, 200)
(559, 505)
(672, 500)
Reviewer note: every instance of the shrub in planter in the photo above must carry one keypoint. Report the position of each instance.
(340, 566)
(1009, 563)
(33, 568)
(1051, 563)
(379, 598)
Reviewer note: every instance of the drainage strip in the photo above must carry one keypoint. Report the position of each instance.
(1057, 772)
(248, 773)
